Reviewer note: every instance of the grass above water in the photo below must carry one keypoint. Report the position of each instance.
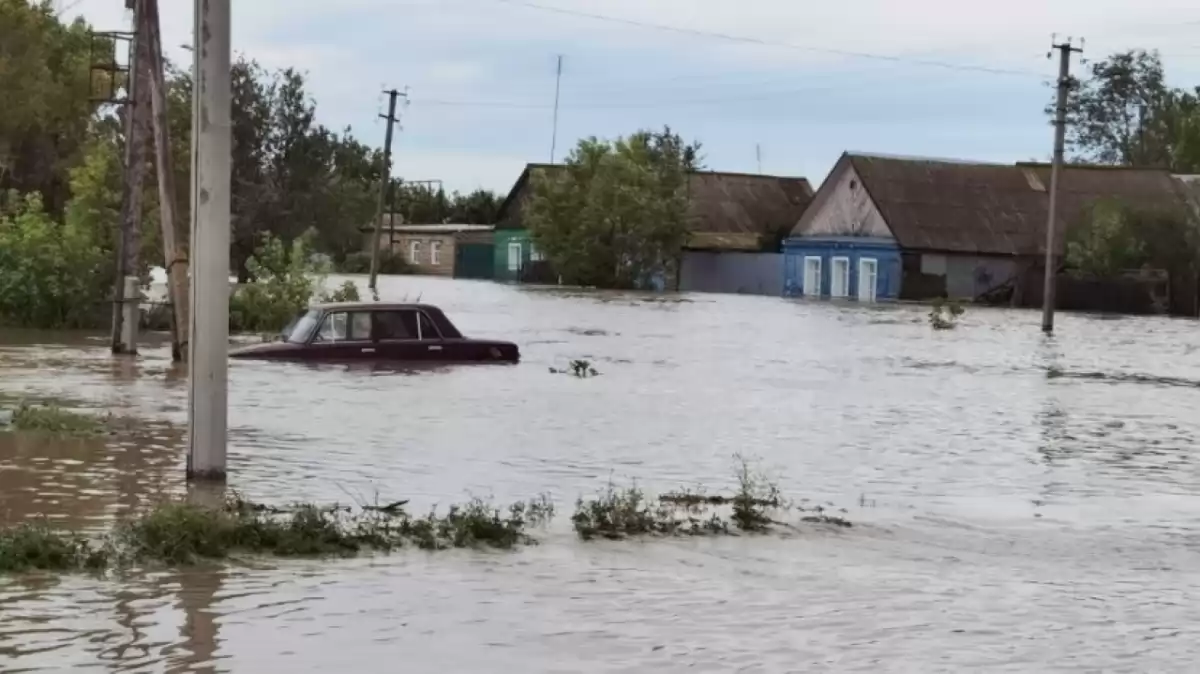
(177, 533)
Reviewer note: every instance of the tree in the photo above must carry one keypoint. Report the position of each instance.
(45, 107)
(1123, 113)
(1105, 243)
(616, 215)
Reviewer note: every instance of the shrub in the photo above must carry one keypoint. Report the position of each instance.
(390, 263)
(52, 275)
(31, 546)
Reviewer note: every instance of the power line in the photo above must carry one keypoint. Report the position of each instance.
(768, 43)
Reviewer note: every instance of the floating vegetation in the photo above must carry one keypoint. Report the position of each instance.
(181, 534)
(756, 507)
(944, 314)
(578, 368)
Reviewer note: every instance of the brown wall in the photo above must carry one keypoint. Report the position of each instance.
(423, 264)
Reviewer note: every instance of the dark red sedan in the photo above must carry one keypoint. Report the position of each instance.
(378, 332)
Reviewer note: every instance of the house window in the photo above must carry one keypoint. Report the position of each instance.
(868, 275)
(535, 255)
(414, 252)
(812, 277)
(514, 256)
(435, 253)
(839, 278)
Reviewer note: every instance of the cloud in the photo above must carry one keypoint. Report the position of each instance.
(481, 72)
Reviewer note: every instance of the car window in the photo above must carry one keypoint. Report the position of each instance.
(341, 326)
(428, 329)
(396, 324)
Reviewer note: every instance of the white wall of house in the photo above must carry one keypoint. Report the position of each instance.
(846, 210)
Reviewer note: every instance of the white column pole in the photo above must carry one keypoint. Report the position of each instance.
(208, 367)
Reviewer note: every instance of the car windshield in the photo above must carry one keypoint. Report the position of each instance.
(302, 327)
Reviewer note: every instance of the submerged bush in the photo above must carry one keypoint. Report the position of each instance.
(944, 314)
(180, 534)
(285, 281)
(621, 513)
(390, 263)
(35, 546)
(51, 418)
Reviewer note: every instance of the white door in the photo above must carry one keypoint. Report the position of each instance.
(514, 256)
(839, 280)
(868, 274)
(812, 277)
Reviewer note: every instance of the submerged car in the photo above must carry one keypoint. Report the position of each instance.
(378, 332)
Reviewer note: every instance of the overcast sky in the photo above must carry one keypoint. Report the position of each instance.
(481, 73)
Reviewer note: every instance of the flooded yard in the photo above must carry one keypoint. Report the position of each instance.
(1021, 503)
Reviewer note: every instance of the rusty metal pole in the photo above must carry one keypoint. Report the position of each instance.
(208, 366)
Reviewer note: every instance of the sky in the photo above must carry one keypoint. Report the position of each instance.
(780, 87)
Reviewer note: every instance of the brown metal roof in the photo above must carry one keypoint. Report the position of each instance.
(720, 203)
(996, 209)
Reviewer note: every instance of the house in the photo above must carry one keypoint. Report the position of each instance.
(736, 220)
(883, 227)
(444, 249)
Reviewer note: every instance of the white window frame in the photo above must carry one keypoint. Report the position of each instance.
(874, 286)
(435, 253)
(414, 252)
(514, 261)
(833, 286)
(804, 289)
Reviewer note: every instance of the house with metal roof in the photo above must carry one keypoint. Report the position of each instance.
(884, 227)
(737, 223)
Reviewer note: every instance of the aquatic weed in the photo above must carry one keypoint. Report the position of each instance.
(36, 546)
(52, 418)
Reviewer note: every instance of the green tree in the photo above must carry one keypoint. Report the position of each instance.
(48, 270)
(1105, 243)
(44, 105)
(616, 215)
(1123, 113)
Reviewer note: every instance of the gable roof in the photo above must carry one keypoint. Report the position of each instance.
(731, 208)
(994, 209)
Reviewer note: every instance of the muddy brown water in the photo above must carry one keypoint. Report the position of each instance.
(1023, 503)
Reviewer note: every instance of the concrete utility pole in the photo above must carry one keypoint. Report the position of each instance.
(1060, 133)
(385, 180)
(208, 367)
(124, 332)
(175, 236)
(557, 89)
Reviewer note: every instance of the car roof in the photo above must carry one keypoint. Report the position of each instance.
(369, 306)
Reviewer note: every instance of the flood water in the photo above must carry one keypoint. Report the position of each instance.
(1021, 503)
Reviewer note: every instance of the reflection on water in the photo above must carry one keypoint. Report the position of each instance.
(1026, 503)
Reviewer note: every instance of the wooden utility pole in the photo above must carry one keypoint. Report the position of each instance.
(175, 235)
(129, 235)
(557, 90)
(385, 180)
(1060, 133)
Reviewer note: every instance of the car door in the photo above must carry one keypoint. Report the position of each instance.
(395, 334)
(344, 336)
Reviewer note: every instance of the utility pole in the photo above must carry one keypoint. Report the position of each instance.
(208, 365)
(175, 236)
(557, 89)
(385, 180)
(1060, 134)
(128, 244)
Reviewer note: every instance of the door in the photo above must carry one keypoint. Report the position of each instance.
(344, 335)
(839, 277)
(868, 276)
(514, 256)
(410, 335)
(812, 277)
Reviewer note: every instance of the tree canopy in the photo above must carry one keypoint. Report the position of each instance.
(615, 215)
(1123, 113)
